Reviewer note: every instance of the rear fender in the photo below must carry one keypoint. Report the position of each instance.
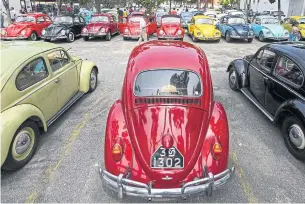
(241, 72)
(11, 119)
(84, 77)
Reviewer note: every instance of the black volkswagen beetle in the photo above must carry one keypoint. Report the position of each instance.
(273, 79)
(64, 27)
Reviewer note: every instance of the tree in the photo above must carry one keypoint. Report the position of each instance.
(149, 4)
(6, 5)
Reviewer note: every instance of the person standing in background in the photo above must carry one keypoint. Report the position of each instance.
(174, 12)
(2, 18)
(13, 14)
(125, 14)
(295, 34)
(143, 34)
(130, 10)
(120, 14)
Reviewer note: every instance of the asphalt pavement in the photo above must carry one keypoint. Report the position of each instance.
(65, 166)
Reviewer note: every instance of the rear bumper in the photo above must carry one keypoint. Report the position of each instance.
(93, 34)
(13, 38)
(131, 36)
(124, 186)
(54, 37)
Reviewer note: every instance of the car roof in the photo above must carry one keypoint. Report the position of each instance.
(33, 14)
(14, 53)
(296, 50)
(201, 16)
(297, 17)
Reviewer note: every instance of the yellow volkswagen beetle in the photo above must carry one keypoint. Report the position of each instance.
(203, 28)
(300, 19)
(38, 82)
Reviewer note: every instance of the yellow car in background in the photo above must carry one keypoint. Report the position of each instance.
(203, 28)
(300, 19)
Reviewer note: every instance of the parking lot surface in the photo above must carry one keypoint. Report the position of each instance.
(65, 166)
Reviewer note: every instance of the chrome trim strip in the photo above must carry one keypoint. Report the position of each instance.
(270, 117)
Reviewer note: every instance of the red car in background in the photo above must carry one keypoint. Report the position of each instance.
(101, 25)
(167, 136)
(26, 26)
(171, 28)
(130, 27)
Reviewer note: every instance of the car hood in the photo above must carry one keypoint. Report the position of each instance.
(302, 26)
(134, 28)
(170, 29)
(15, 29)
(275, 28)
(96, 26)
(56, 28)
(206, 29)
(186, 125)
(239, 28)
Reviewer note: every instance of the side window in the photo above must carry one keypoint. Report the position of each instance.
(76, 19)
(40, 20)
(288, 70)
(31, 74)
(82, 20)
(266, 59)
(258, 21)
(58, 59)
(47, 19)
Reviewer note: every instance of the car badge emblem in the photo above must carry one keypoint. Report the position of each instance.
(167, 178)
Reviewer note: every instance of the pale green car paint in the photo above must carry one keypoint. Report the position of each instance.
(41, 101)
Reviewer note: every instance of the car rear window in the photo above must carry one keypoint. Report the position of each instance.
(169, 82)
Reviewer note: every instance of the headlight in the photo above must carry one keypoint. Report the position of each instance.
(3, 32)
(268, 33)
(161, 32)
(103, 30)
(85, 30)
(198, 33)
(217, 34)
(23, 32)
(286, 33)
(179, 32)
(233, 32)
(126, 30)
(63, 32)
(43, 32)
(251, 32)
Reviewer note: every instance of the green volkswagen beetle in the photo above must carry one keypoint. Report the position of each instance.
(38, 82)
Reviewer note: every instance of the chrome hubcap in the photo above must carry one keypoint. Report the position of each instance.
(233, 77)
(92, 79)
(296, 136)
(23, 143)
(71, 36)
(33, 36)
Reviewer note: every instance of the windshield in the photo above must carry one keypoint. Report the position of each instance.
(170, 20)
(99, 19)
(234, 13)
(63, 19)
(270, 21)
(25, 19)
(160, 14)
(204, 21)
(169, 83)
(277, 13)
(236, 21)
(135, 19)
(301, 20)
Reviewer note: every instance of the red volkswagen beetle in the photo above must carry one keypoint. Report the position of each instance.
(166, 137)
(101, 25)
(26, 26)
(171, 28)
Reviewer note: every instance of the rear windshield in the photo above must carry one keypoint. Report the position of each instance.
(168, 83)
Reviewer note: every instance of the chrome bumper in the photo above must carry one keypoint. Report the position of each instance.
(93, 34)
(241, 37)
(124, 186)
(170, 37)
(277, 38)
(207, 38)
(54, 37)
(13, 38)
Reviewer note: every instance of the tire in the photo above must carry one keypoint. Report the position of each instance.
(33, 36)
(70, 37)
(261, 37)
(217, 41)
(181, 39)
(46, 40)
(228, 38)
(124, 38)
(85, 38)
(108, 36)
(194, 39)
(290, 127)
(14, 160)
(93, 80)
(250, 40)
(233, 79)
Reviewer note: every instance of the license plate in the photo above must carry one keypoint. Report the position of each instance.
(167, 158)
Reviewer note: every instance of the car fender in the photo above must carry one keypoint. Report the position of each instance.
(241, 72)
(11, 119)
(84, 76)
(293, 107)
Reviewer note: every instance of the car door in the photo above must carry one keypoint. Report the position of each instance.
(260, 68)
(77, 27)
(122, 24)
(40, 24)
(66, 75)
(36, 84)
(287, 77)
(191, 26)
(256, 26)
(48, 21)
(153, 25)
(113, 24)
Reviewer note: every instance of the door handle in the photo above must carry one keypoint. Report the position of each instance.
(57, 80)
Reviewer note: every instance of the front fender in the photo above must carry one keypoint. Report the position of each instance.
(294, 107)
(84, 76)
(241, 71)
(11, 119)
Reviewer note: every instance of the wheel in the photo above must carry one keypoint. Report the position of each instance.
(71, 37)
(33, 36)
(194, 38)
(85, 38)
(228, 38)
(233, 79)
(250, 40)
(294, 135)
(23, 146)
(261, 37)
(93, 80)
(217, 40)
(46, 40)
(181, 39)
(108, 36)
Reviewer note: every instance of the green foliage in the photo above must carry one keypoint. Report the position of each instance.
(149, 4)
(229, 3)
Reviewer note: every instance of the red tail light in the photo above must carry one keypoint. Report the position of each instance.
(216, 150)
(117, 150)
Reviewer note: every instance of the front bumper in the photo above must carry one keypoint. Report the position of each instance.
(170, 37)
(93, 34)
(131, 36)
(13, 37)
(277, 38)
(54, 37)
(124, 186)
(242, 37)
(208, 38)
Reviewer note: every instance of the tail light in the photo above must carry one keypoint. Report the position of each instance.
(117, 150)
(216, 149)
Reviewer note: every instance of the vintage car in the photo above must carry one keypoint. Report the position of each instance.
(273, 79)
(235, 27)
(87, 15)
(203, 28)
(186, 19)
(166, 136)
(39, 82)
(268, 27)
(301, 24)
(171, 28)
(101, 25)
(27, 26)
(130, 27)
(159, 16)
(66, 27)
